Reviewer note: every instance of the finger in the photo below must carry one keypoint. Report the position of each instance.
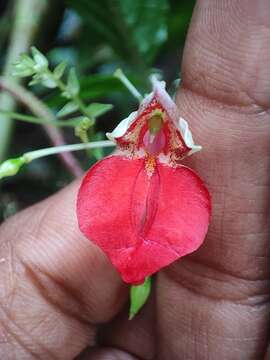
(227, 54)
(223, 289)
(106, 354)
(235, 158)
(55, 285)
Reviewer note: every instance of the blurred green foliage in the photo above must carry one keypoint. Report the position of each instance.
(95, 37)
(134, 30)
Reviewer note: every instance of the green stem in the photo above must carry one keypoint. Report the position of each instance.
(40, 110)
(24, 30)
(62, 86)
(81, 105)
(11, 167)
(32, 155)
(38, 120)
(122, 77)
(85, 139)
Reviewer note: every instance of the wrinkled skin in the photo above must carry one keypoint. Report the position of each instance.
(57, 289)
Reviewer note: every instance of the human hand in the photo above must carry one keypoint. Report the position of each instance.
(60, 295)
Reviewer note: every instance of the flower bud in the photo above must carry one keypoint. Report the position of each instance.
(41, 62)
(138, 296)
(11, 167)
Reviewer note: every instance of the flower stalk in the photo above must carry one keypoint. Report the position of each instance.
(11, 167)
(40, 110)
(37, 66)
(122, 77)
(41, 121)
(24, 31)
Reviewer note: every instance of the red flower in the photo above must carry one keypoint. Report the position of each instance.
(140, 206)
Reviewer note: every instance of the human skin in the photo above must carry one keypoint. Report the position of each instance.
(60, 296)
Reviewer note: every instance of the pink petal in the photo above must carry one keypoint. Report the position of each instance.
(143, 222)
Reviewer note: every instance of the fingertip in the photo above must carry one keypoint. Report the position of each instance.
(105, 354)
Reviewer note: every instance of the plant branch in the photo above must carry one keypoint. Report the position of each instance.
(63, 87)
(39, 109)
(32, 155)
(11, 167)
(41, 121)
(27, 16)
(125, 81)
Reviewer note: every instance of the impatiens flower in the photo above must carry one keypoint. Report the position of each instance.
(139, 205)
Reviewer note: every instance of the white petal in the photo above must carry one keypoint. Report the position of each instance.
(172, 110)
(159, 90)
(146, 101)
(165, 100)
(187, 136)
(122, 127)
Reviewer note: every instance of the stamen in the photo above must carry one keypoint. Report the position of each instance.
(154, 138)
(150, 165)
(155, 123)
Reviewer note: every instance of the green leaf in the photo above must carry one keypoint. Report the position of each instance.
(48, 82)
(147, 20)
(40, 59)
(11, 167)
(67, 109)
(100, 85)
(26, 60)
(138, 297)
(93, 87)
(45, 79)
(59, 70)
(24, 66)
(22, 72)
(35, 80)
(97, 109)
(74, 122)
(135, 30)
(73, 86)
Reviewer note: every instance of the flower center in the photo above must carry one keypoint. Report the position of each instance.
(155, 123)
(154, 138)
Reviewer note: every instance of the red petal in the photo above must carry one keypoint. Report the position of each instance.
(142, 222)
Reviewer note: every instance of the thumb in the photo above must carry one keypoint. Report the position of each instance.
(55, 285)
